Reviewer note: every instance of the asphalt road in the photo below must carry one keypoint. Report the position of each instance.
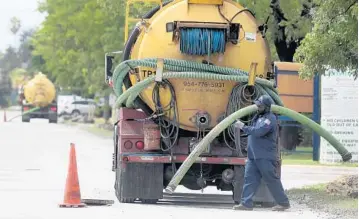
(33, 168)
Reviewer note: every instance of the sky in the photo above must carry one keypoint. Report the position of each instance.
(25, 11)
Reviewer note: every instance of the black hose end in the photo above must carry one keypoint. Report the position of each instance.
(346, 157)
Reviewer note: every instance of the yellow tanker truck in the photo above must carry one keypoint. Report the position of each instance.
(189, 67)
(39, 93)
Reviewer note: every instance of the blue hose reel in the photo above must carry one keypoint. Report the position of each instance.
(202, 41)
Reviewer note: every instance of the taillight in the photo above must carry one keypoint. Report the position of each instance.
(53, 108)
(128, 145)
(140, 145)
(26, 108)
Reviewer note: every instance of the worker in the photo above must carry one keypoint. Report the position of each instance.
(262, 156)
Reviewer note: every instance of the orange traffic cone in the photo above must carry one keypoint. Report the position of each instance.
(4, 115)
(72, 197)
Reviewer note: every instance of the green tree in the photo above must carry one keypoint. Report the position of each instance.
(73, 40)
(18, 76)
(24, 50)
(137, 10)
(10, 60)
(288, 23)
(332, 43)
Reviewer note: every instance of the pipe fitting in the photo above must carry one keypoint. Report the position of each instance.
(228, 176)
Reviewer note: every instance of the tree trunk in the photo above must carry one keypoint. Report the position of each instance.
(285, 50)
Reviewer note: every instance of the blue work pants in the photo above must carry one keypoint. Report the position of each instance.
(254, 171)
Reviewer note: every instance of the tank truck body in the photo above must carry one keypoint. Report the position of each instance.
(39, 93)
(207, 42)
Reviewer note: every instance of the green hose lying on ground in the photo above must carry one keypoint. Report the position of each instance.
(24, 113)
(202, 145)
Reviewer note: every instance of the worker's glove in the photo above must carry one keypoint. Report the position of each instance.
(239, 124)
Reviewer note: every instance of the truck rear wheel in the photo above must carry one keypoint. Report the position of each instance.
(118, 188)
(25, 119)
(53, 120)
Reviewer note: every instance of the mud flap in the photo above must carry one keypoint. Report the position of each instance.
(52, 117)
(141, 180)
(25, 118)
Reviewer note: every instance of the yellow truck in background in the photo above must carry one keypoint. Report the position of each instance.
(39, 93)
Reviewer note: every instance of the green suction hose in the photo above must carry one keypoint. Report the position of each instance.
(346, 155)
(194, 70)
(27, 112)
(174, 68)
(173, 65)
(135, 90)
(244, 112)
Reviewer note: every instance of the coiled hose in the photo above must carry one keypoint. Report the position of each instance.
(169, 130)
(135, 90)
(202, 41)
(187, 69)
(174, 65)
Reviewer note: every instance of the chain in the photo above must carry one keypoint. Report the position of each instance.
(201, 176)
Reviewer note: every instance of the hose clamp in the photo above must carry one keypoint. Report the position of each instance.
(159, 70)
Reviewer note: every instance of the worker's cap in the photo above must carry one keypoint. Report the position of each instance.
(264, 100)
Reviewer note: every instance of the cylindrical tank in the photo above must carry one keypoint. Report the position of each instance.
(156, 40)
(39, 91)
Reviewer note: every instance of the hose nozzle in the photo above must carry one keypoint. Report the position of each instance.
(346, 157)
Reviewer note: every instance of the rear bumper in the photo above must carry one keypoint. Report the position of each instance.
(43, 112)
(157, 158)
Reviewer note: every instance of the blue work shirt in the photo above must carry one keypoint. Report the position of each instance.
(262, 134)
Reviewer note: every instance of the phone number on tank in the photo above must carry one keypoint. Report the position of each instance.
(204, 84)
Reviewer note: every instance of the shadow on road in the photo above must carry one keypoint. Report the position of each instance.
(212, 201)
(218, 201)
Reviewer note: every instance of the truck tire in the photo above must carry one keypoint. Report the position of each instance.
(53, 119)
(75, 113)
(118, 188)
(25, 119)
